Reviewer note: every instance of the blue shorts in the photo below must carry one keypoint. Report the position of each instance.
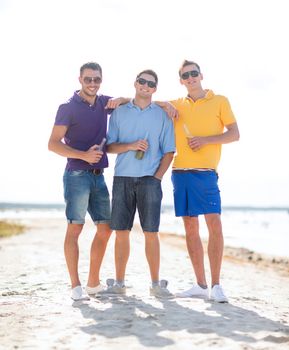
(196, 192)
(84, 191)
(129, 193)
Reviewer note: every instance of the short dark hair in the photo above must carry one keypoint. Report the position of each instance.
(150, 72)
(91, 65)
(188, 63)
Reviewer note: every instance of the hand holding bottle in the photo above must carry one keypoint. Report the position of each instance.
(96, 150)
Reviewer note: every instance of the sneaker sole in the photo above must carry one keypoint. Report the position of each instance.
(81, 299)
(162, 297)
(220, 301)
(205, 297)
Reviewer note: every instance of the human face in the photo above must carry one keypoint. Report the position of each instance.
(90, 81)
(143, 83)
(193, 80)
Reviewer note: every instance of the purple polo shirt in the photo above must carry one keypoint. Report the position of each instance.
(87, 126)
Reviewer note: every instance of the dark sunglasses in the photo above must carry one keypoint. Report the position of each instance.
(192, 73)
(89, 80)
(143, 81)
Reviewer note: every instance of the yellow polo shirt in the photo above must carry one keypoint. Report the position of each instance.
(204, 117)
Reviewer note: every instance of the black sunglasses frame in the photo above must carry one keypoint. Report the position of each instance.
(150, 84)
(192, 73)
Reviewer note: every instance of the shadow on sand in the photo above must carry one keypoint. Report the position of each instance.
(118, 317)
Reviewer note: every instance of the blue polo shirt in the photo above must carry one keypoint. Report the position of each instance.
(128, 123)
(87, 126)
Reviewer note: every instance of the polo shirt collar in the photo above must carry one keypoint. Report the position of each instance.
(79, 99)
(132, 105)
(209, 94)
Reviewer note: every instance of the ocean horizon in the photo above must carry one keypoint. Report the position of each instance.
(44, 205)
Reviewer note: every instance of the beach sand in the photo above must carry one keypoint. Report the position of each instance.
(36, 311)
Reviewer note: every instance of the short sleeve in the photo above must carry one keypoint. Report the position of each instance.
(227, 115)
(113, 132)
(63, 115)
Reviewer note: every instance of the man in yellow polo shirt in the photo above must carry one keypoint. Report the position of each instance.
(205, 122)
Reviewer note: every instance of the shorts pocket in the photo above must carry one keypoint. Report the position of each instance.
(213, 197)
(77, 172)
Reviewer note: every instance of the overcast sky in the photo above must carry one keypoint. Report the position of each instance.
(240, 46)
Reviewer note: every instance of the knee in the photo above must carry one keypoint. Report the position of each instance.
(122, 236)
(104, 235)
(151, 236)
(214, 224)
(73, 231)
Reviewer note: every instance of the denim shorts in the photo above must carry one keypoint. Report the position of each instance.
(86, 192)
(129, 193)
(196, 192)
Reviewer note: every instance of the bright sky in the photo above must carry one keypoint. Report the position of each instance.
(240, 46)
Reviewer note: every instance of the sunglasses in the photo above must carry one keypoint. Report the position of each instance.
(150, 83)
(89, 80)
(192, 73)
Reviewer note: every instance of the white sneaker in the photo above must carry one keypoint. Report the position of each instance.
(195, 292)
(94, 290)
(78, 293)
(218, 294)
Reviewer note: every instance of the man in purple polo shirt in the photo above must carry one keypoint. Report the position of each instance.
(82, 123)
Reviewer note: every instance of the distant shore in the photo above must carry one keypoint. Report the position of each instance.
(236, 254)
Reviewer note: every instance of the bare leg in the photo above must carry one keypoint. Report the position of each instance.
(152, 250)
(71, 252)
(215, 245)
(195, 248)
(97, 252)
(121, 253)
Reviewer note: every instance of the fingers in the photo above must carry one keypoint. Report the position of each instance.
(112, 103)
(93, 154)
(173, 114)
(94, 157)
(142, 145)
(171, 111)
(194, 143)
(94, 147)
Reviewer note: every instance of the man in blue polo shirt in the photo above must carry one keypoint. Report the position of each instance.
(82, 123)
(142, 136)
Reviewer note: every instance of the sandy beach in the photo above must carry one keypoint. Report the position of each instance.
(36, 311)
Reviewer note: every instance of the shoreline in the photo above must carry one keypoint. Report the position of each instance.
(235, 254)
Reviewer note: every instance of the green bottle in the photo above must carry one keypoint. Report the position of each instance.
(139, 154)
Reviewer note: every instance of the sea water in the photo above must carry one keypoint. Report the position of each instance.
(263, 230)
(258, 229)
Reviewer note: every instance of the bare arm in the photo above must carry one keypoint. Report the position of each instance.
(55, 144)
(230, 135)
(140, 145)
(168, 108)
(113, 103)
(164, 165)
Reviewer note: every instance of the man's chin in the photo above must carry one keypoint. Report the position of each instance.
(90, 93)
